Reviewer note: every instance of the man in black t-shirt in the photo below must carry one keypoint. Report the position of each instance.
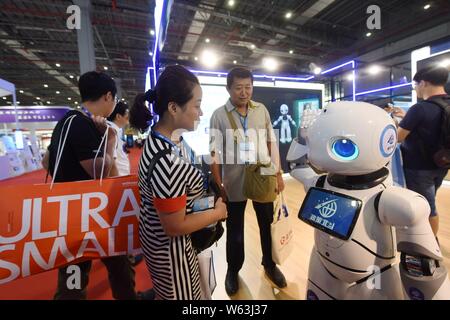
(81, 159)
(420, 131)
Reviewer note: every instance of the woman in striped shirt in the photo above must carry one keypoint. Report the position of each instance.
(169, 191)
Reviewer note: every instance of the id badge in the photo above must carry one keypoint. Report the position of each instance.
(247, 152)
(203, 204)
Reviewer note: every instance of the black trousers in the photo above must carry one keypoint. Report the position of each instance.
(235, 233)
(120, 274)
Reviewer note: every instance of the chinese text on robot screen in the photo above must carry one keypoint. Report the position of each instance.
(331, 212)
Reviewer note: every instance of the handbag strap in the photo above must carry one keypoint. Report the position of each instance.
(60, 149)
(62, 144)
(283, 207)
(232, 123)
(154, 160)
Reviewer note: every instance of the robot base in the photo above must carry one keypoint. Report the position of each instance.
(322, 285)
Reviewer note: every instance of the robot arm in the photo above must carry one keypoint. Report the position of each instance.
(291, 120)
(275, 123)
(423, 273)
(300, 170)
(306, 176)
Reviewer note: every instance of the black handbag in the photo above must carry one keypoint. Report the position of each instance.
(204, 238)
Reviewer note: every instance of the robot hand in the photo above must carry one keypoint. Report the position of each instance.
(423, 274)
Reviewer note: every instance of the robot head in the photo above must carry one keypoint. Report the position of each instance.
(351, 138)
(284, 109)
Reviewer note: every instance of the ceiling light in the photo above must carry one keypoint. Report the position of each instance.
(152, 32)
(291, 51)
(76, 102)
(253, 46)
(426, 7)
(270, 64)
(230, 3)
(288, 15)
(105, 68)
(150, 54)
(4, 98)
(196, 58)
(368, 34)
(48, 102)
(234, 62)
(350, 77)
(207, 40)
(18, 102)
(317, 70)
(45, 85)
(58, 65)
(209, 58)
(373, 70)
(21, 91)
(445, 63)
(37, 98)
(57, 92)
(69, 98)
(71, 76)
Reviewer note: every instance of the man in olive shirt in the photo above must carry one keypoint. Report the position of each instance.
(251, 119)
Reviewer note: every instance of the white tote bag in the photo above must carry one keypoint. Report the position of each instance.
(207, 273)
(281, 231)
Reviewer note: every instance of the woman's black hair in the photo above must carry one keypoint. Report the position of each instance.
(120, 108)
(175, 84)
(140, 115)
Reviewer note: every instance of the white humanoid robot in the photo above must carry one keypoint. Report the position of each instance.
(361, 220)
(284, 118)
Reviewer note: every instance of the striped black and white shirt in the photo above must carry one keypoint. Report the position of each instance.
(174, 184)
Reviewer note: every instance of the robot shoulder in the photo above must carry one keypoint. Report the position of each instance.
(401, 207)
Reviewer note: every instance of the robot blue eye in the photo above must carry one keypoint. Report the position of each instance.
(345, 149)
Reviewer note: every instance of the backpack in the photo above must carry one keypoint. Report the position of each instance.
(441, 157)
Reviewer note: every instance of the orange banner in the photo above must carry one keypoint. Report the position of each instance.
(42, 229)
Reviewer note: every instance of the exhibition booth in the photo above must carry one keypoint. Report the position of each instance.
(25, 133)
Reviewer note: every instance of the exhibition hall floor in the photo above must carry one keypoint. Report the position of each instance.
(252, 281)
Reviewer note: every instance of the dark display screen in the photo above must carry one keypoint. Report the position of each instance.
(331, 212)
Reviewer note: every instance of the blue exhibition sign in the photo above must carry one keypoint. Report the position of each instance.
(32, 114)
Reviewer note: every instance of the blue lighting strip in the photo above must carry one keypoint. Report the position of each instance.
(353, 64)
(215, 73)
(384, 89)
(340, 66)
(354, 81)
(283, 78)
(159, 7)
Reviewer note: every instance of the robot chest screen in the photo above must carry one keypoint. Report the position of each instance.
(331, 212)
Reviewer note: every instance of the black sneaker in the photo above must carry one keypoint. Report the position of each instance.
(231, 283)
(276, 277)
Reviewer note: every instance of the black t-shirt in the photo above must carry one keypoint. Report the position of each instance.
(424, 121)
(83, 141)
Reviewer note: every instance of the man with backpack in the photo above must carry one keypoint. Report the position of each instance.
(425, 135)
